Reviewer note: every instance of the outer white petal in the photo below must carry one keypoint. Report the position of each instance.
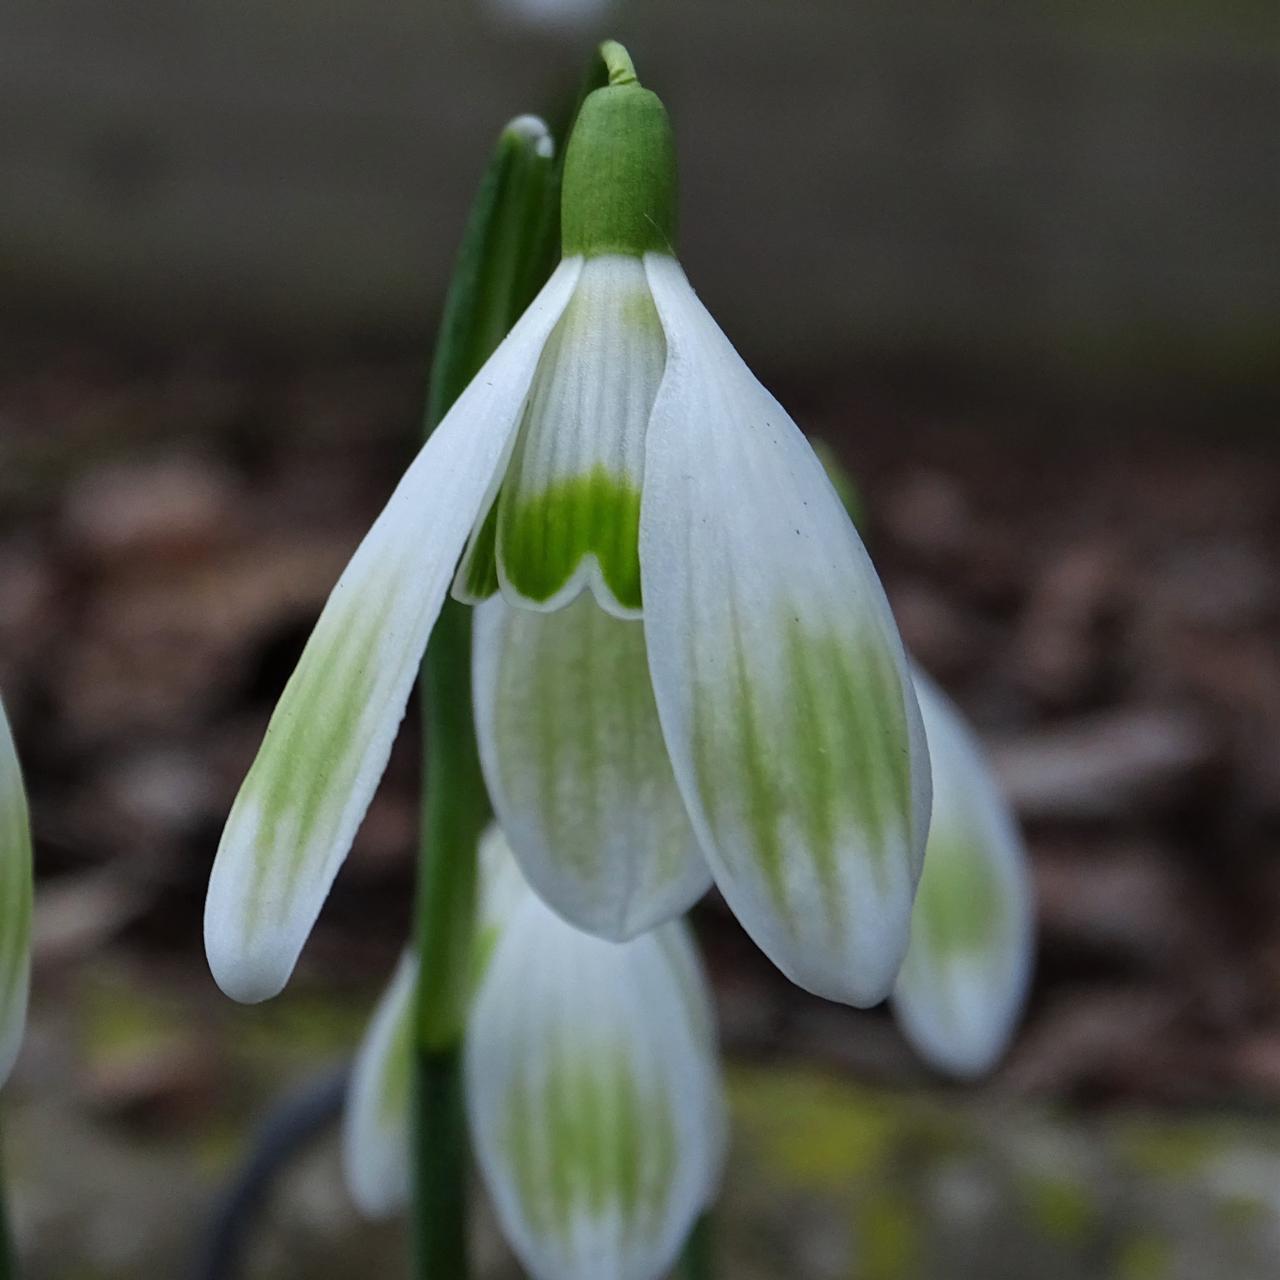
(594, 1098)
(569, 512)
(328, 741)
(15, 902)
(375, 1126)
(575, 763)
(966, 975)
(780, 678)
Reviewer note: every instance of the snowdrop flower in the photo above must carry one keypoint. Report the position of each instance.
(15, 901)
(593, 1089)
(685, 664)
(966, 974)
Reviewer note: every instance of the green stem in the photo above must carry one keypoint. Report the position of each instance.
(696, 1262)
(505, 258)
(440, 1154)
(456, 809)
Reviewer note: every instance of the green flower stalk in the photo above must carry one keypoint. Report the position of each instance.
(15, 901)
(743, 710)
(592, 1081)
(505, 257)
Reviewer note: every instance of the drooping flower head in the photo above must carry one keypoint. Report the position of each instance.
(965, 978)
(685, 665)
(592, 1082)
(15, 901)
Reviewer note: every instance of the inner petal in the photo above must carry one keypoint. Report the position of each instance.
(577, 769)
(569, 510)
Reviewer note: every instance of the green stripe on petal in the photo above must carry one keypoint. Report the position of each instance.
(329, 738)
(798, 760)
(966, 974)
(614, 1144)
(375, 1141)
(594, 1096)
(577, 768)
(779, 676)
(15, 901)
(569, 510)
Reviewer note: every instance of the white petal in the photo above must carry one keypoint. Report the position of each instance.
(780, 678)
(328, 741)
(15, 901)
(375, 1125)
(595, 1102)
(577, 769)
(965, 978)
(569, 510)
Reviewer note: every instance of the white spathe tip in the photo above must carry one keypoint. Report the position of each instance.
(534, 129)
(968, 969)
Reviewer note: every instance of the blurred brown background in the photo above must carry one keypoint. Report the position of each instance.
(1017, 263)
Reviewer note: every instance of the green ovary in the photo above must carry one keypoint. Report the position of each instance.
(586, 1138)
(958, 906)
(805, 755)
(545, 537)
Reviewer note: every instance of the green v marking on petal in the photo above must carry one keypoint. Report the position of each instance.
(544, 537)
(479, 571)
